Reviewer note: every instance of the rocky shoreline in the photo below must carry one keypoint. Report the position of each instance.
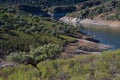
(83, 46)
(76, 21)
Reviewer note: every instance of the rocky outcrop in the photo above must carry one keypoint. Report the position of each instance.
(70, 20)
(7, 65)
(77, 21)
(93, 40)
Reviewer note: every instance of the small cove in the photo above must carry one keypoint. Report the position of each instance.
(105, 34)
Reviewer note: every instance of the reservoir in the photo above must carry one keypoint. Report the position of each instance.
(105, 34)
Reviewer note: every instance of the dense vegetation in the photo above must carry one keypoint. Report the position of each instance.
(105, 9)
(105, 66)
(44, 3)
(84, 8)
(20, 31)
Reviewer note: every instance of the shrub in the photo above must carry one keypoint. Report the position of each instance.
(49, 51)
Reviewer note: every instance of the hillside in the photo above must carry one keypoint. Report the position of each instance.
(98, 9)
(34, 46)
(105, 66)
(44, 3)
(92, 9)
(19, 31)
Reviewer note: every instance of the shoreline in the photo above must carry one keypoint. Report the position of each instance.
(76, 21)
(83, 46)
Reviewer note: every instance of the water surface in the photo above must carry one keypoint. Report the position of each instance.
(105, 34)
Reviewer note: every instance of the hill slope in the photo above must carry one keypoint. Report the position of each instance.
(105, 66)
(44, 3)
(98, 9)
(29, 39)
(19, 31)
(105, 9)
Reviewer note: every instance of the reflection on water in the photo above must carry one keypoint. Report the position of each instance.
(105, 35)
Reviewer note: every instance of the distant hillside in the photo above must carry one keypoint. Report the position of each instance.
(44, 3)
(98, 9)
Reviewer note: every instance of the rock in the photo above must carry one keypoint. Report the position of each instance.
(93, 40)
(70, 20)
(6, 64)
